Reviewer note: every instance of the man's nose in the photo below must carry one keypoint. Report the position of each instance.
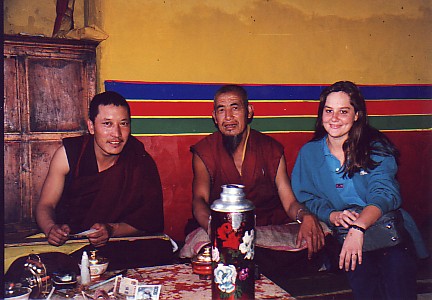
(228, 114)
(116, 132)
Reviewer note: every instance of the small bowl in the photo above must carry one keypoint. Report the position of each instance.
(98, 269)
(98, 264)
(18, 293)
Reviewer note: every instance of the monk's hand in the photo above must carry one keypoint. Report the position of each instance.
(351, 253)
(58, 234)
(101, 236)
(311, 231)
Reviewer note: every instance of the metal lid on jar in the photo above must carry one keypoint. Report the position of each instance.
(232, 199)
(95, 259)
(204, 257)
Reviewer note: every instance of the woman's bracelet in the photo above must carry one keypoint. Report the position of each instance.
(358, 228)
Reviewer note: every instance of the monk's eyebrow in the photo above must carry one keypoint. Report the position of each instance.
(230, 105)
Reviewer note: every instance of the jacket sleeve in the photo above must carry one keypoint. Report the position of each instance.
(382, 187)
(304, 188)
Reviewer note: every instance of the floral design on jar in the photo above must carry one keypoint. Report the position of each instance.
(215, 254)
(228, 236)
(247, 247)
(225, 277)
(244, 274)
(236, 220)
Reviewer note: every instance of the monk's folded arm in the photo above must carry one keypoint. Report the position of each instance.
(122, 229)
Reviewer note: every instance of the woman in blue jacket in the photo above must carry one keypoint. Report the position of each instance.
(349, 163)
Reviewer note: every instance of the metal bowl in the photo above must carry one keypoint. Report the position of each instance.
(18, 293)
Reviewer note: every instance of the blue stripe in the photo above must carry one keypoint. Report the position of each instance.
(191, 91)
(397, 92)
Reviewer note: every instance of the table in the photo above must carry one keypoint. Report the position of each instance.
(178, 282)
(38, 243)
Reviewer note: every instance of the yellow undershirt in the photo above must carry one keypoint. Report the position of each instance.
(244, 148)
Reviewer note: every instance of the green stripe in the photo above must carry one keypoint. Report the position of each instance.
(172, 126)
(401, 122)
(205, 125)
(284, 124)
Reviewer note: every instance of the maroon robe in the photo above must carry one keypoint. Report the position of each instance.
(260, 165)
(129, 191)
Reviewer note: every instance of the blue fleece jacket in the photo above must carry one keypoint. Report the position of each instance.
(313, 185)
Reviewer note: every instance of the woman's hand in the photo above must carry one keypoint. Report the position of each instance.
(343, 218)
(351, 253)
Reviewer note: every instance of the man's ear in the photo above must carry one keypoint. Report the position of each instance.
(250, 111)
(90, 126)
(214, 117)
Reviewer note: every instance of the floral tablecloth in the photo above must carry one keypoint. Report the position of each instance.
(178, 282)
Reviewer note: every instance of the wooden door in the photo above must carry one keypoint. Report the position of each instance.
(48, 84)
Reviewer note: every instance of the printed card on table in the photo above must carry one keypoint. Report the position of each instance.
(147, 292)
(125, 286)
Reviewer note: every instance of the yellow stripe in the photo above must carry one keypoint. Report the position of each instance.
(405, 115)
(276, 131)
(211, 101)
(271, 117)
(170, 134)
(406, 130)
(171, 117)
(168, 101)
(269, 100)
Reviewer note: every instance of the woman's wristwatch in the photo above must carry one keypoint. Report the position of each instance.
(353, 226)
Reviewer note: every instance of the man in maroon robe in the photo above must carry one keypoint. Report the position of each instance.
(105, 182)
(237, 154)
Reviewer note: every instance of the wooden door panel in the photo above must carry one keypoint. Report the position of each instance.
(56, 95)
(48, 85)
(11, 100)
(13, 161)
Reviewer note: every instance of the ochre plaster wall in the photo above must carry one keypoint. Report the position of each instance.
(258, 41)
(36, 17)
(249, 41)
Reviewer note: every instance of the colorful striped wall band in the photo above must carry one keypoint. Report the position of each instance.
(185, 108)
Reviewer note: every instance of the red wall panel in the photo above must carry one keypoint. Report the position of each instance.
(173, 158)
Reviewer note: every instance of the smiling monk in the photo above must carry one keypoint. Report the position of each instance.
(104, 181)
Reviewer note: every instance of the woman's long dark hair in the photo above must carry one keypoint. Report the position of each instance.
(363, 140)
